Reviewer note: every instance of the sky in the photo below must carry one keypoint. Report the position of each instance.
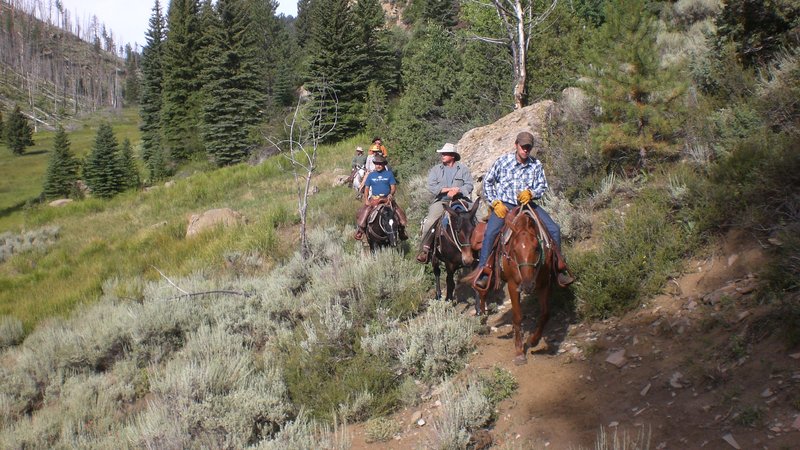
(128, 19)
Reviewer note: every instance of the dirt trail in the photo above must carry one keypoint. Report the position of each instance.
(698, 368)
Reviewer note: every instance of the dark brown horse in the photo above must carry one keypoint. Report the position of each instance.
(382, 227)
(451, 244)
(525, 261)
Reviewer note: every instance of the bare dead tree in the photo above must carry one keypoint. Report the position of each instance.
(518, 19)
(306, 129)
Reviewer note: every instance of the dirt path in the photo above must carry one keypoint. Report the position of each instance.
(698, 367)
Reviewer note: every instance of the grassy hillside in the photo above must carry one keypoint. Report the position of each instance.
(23, 176)
(139, 232)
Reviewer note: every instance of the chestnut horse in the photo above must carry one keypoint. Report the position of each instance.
(451, 244)
(524, 260)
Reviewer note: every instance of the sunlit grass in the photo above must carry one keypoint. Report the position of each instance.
(137, 234)
(23, 176)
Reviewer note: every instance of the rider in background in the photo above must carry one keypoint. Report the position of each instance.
(380, 186)
(447, 180)
(358, 168)
(516, 179)
(377, 142)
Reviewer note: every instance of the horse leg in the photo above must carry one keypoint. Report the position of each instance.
(437, 271)
(451, 282)
(516, 322)
(544, 316)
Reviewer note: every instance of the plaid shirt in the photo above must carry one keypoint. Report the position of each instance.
(507, 178)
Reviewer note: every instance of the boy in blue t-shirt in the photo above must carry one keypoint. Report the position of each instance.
(380, 184)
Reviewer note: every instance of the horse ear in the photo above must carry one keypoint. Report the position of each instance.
(449, 210)
(474, 208)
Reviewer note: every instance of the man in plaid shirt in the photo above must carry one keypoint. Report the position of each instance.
(516, 179)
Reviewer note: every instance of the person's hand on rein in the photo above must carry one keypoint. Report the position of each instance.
(525, 197)
(500, 209)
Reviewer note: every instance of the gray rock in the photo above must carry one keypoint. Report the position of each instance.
(215, 217)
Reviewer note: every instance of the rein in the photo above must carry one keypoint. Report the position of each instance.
(541, 244)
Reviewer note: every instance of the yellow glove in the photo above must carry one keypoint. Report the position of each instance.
(500, 209)
(525, 197)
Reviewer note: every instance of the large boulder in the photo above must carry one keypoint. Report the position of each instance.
(225, 217)
(480, 147)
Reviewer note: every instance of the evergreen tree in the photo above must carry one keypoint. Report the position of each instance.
(233, 88)
(382, 63)
(339, 64)
(442, 12)
(638, 97)
(421, 122)
(62, 169)
(302, 23)
(18, 132)
(151, 95)
(102, 170)
(130, 173)
(131, 94)
(555, 60)
(759, 29)
(180, 111)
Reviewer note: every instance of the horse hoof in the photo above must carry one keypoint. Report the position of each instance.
(520, 360)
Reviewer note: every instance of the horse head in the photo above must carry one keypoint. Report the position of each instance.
(525, 251)
(462, 224)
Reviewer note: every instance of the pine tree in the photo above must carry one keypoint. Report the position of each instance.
(131, 93)
(421, 120)
(62, 169)
(338, 64)
(151, 94)
(18, 132)
(103, 171)
(638, 97)
(233, 81)
(383, 65)
(180, 111)
(130, 173)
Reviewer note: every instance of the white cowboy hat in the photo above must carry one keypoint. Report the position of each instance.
(450, 148)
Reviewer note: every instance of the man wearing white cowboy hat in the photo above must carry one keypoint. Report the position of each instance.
(447, 180)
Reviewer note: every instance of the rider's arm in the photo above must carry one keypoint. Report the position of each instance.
(490, 184)
(466, 188)
(434, 181)
(539, 185)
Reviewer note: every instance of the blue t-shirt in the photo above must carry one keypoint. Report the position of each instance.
(380, 182)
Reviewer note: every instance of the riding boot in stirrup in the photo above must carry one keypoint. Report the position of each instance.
(424, 253)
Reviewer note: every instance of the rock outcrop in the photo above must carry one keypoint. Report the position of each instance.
(214, 217)
(480, 147)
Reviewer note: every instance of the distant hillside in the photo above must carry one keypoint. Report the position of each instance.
(52, 73)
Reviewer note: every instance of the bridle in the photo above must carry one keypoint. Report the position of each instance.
(541, 243)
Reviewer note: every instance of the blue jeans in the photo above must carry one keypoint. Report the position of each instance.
(495, 224)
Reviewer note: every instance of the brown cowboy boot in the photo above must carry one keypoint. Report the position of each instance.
(425, 250)
(361, 221)
(563, 277)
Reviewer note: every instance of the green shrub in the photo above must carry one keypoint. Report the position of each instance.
(304, 433)
(499, 385)
(640, 247)
(11, 331)
(430, 346)
(381, 429)
(754, 178)
(464, 410)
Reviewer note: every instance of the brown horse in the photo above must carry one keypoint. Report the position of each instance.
(525, 259)
(451, 245)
